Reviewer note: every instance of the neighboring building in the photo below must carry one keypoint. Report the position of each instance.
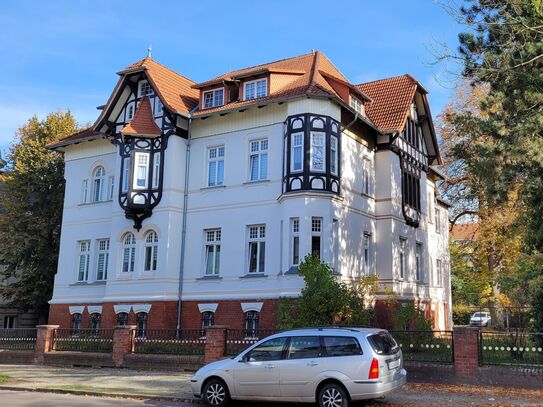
(465, 232)
(229, 183)
(11, 317)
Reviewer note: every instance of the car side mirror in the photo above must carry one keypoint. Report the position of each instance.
(244, 359)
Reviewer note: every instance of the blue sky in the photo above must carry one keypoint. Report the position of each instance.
(64, 54)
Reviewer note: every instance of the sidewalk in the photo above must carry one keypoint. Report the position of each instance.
(137, 383)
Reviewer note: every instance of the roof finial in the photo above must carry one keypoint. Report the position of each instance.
(312, 51)
(149, 50)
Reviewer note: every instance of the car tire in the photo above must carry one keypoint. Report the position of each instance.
(215, 393)
(333, 395)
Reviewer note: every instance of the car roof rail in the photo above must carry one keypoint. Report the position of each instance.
(322, 327)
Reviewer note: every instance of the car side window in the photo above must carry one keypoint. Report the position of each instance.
(269, 350)
(304, 347)
(341, 346)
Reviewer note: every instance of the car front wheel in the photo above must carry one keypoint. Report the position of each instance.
(215, 393)
(333, 395)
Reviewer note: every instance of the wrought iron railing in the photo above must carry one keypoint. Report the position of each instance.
(83, 340)
(170, 341)
(18, 339)
(426, 346)
(237, 340)
(511, 348)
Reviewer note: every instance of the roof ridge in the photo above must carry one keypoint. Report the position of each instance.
(336, 68)
(387, 79)
(170, 69)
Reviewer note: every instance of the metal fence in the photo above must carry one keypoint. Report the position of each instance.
(83, 340)
(426, 346)
(18, 339)
(171, 341)
(511, 348)
(237, 340)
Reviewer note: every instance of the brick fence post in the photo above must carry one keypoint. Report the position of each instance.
(466, 351)
(123, 343)
(215, 343)
(44, 342)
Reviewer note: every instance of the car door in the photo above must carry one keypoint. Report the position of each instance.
(256, 375)
(300, 367)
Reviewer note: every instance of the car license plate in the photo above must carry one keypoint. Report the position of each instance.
(393, 364)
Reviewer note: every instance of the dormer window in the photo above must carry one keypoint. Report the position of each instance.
(255, 89)
(213, 98)
(144, 89)
(357, 105)
(130, 113)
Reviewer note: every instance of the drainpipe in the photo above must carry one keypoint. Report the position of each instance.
(184, 220)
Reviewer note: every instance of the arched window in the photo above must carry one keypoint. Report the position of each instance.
(129, 252)
(151, 251)
(251, 324)
(122, 318)
(141, 324)
(76, 323)
(98, 184)
(95, 322)
(208, 319)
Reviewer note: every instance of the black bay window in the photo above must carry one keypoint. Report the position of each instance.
(312, 154)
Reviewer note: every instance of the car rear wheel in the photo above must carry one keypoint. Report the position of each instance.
(333, 395)
(215, 393)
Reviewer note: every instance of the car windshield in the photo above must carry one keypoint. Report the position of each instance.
(383, 343)
(479, 314)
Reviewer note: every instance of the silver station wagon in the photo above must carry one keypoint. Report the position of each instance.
(331, 366)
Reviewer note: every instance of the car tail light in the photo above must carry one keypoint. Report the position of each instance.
(374, 369)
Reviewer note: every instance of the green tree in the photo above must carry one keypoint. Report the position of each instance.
(30, 220)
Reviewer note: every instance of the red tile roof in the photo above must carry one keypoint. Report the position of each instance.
(82, 135)
(143, 123)
(391, 101)
(465, 231)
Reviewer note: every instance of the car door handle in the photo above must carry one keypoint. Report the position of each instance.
(312, 364)
(269, 366)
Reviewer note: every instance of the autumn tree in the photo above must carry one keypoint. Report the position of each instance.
(30, 220)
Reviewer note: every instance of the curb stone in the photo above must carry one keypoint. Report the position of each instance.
(109, 395)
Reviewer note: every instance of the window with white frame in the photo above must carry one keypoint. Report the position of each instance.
(366, 176)
(439, 273)
(318, 151)
(255, 89)
(130, 112)
(357, 105)
(102, 259)
(126, 174)
(141, 170)
(316, 236)
(297, 152)
(215, 166)
(111, 186)
(144, 89)
(334, 155)
(213, 98)
(367, 253)
(151, 251)
(437, 215)
(418, 261)
(156, 170)
(129, 252)
(98, 184)
(258, 159)
(257, 248)
(213, 251)
(84, 191)
(403, 257)
(295, 241)
(84, 260)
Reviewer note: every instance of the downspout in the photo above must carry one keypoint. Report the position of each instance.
(184, 220)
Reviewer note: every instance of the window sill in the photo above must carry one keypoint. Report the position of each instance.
(95, 203)
(210, 278)
(213, 188)
(292, 271)
(256, 182)
(254, 275)
(85, 283)
(367, 195)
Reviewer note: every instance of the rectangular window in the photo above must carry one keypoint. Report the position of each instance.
(296, 152)
(126, 174)
(403, 257)
(255, 89)
(366, 176)
(357, 105)
(141, 170)
(102, 259)
(318, 152)
(144, 89)
(437, 220)
(9, 321)
(439, 273)
(418, 261)
(111, 187)
(257, 248)
(316, 236)
(367, 253)
(213, 98)
(213, 251)
(215, 167)
(84, 190)
(295, 240)
(333, 155)
(258, 160)
(84, 260)
(129, 256)
(156, 170)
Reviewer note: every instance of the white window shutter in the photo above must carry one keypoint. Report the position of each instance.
(84, 190)
(110, 187)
